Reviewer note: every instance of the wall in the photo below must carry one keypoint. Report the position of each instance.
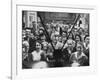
(5, 37)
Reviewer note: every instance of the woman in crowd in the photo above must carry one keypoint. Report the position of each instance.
(39, 57)
(25, 49)
(37, 54)
(86, 48)
(25, 45)
(25, 55)
(71, 44)
(78, 38)
(78, 58)
(86, 45)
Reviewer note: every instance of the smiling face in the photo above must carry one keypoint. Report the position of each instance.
(69, 45)
(43, 38)
(70, 36)
(45, 45)
(87, 40)
(77, 38)
(64, 39)
(40, 31)
(38, 45)
(79, 47)
(69, 42)
(57, 38)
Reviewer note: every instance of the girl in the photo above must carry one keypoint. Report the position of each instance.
(38, 56)
(37, 53)
(78, 58)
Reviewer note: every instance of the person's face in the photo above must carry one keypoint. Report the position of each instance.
(60, 39)
(87, 40)
(23, 49)
(64, 39)
(57, 38)
(43, 38)
(81, 31)
(23, 32)
(86, 33)
(24, 52)
(54, 38)
(62, 28)
(79, 47)
(66, 27)
(77, 38)
(41, 31)
(23, 35)
(28, 32)
(45, 46)
(31, 35)
(64, 34)
(70, 36)
(75, 31)
(38, 45)
(69, 45)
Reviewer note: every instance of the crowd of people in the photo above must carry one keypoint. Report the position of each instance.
(59, 44)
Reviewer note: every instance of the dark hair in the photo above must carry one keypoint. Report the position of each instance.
(86, 36)
(78, 36)
(27, 28)
(72, 36)
(38, 41)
